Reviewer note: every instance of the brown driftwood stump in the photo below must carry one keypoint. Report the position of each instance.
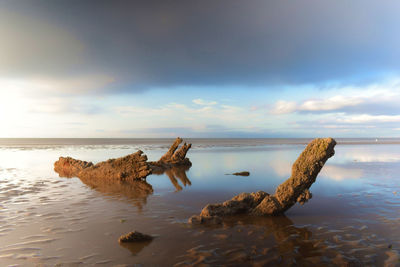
(129, 168)
(295, 189)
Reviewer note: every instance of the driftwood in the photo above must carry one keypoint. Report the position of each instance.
(125, 176)
(129, 168)
(174, 157)
(295, 189)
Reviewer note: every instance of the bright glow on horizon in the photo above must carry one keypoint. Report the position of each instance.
(29, 108)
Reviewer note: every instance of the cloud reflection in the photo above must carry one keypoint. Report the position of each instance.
(340, 173)
(334, 172)
(376, 156)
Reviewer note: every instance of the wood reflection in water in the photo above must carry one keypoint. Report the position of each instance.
(137, 190)
(175, 173)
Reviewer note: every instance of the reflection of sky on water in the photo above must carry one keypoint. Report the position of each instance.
(357, 190)
(385, 153)
(353, 168)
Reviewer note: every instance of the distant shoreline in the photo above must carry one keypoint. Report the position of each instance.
(199, 142)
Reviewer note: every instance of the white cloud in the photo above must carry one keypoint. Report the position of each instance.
(202, 102)
(181, 115)
(382, 95)
(366, 118)
(284, 107)
(328, 104)
(332, 103)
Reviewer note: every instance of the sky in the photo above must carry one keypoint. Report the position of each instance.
(226, 68)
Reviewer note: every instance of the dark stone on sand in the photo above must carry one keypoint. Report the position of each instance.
(245, 173)
(129, 168)
(295, 189)
(134, 236)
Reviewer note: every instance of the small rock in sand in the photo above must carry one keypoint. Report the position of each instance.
(134, 236)
(241, 173)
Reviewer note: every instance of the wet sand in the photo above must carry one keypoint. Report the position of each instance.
(353, 216)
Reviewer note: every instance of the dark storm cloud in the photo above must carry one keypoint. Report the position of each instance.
(144, 44)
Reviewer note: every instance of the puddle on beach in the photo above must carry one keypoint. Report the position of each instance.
(353, 217)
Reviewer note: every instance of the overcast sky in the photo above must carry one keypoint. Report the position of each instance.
(204, 68)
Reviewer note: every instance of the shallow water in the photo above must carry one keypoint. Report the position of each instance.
(353, 217)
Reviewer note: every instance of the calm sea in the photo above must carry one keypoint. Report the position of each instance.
(197, 142)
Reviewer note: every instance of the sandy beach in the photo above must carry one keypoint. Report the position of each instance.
(49, 220)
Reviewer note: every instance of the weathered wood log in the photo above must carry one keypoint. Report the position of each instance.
(171, 151)
(125, 176)
(180, 154)
(129, 168)
(304, 174)
(69, 167)
(295, 189)
(174, 157)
